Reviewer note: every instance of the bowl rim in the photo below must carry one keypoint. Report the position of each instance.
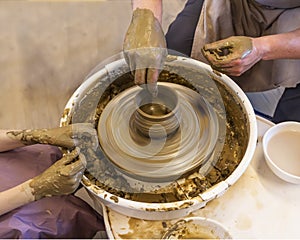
(210, 223)
(270, 133)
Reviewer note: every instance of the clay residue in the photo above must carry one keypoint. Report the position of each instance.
(155, 229)
(102, 173)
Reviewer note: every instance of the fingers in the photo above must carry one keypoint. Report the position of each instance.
(146, 63)
(217, 51)
(149, 77)
(140, 76)
(215, 46)
(78, 166)
(84, 135)
(236, 68)
(72, 183)
(152, 76)
(72, 174)
(218, 58)
(69, 157)
(222, 53)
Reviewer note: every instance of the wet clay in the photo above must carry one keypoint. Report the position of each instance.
(102, 173)
(144, 35)
(82, 134)
(63, 177)
(26, 136)
(158, 149)
(144, 31)
(188, 230)
(145, 48)
(227, 50)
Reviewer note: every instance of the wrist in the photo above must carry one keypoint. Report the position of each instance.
(262, 47)
(39, 187)
(27, 190)
(143, 17)
(155, 6)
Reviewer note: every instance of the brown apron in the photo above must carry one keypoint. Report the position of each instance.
(220, 19)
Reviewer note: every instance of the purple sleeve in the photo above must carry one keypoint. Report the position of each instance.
(51, 217)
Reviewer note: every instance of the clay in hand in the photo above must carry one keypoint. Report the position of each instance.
(62, 178)
(233, 55)
(145, 48)
(78, 134)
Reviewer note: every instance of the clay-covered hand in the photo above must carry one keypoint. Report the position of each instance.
(62, 178)
(233, 56)
(77, 134)
(145, 48)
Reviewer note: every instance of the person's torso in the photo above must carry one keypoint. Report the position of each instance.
(280, 3)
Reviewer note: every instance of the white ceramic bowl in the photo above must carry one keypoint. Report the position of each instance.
(197, 228)
(281, 146)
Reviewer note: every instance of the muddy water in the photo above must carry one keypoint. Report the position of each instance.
(282, 145)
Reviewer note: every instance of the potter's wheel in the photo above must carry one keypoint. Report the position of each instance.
(115, 184)
(158, 139)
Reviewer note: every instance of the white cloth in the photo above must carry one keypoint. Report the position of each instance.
(266, 102)
(220, 19)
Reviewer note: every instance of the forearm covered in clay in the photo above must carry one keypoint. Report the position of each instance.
(154, 5)
(7, 143)
(79, 134)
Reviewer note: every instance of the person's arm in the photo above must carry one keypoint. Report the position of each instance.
(7, 143)
(16, 197)
(279, 46)
(235, 55)
(77, 134)
(62, 178)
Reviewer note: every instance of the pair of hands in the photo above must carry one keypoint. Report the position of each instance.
(145, 51)
(64, 176)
